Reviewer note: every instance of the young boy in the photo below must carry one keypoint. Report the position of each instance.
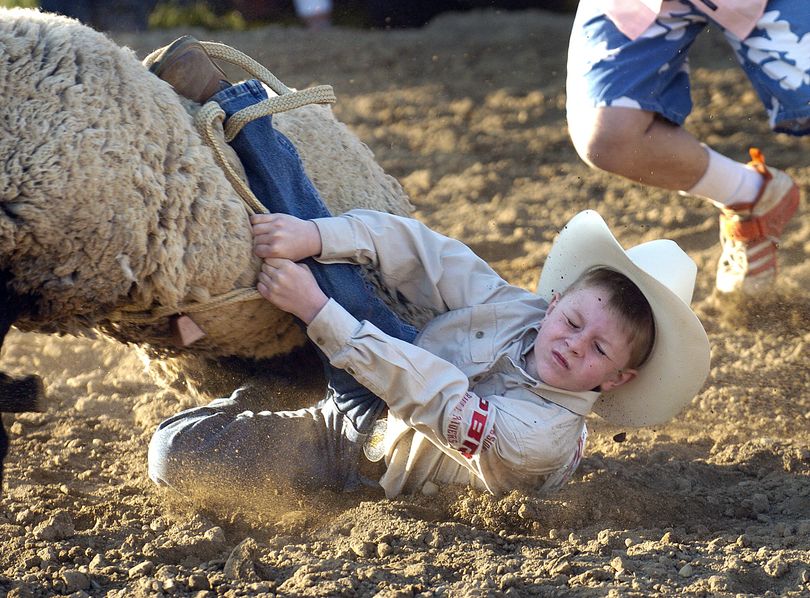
(493, 391)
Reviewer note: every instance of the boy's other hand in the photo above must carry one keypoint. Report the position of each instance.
(284, 236)
(291, 288)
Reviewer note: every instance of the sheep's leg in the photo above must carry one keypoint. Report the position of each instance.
(17, 396)
(20, 394)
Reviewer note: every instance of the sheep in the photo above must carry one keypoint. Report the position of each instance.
(111, 202)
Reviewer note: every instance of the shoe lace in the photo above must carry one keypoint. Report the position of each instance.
(734, 258)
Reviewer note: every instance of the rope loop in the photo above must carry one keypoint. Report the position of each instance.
(207, 119)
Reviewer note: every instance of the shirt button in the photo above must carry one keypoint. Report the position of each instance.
(319, 341)
(350, 370)
(479, 334)
(476, 378)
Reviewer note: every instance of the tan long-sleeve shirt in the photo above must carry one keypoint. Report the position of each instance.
(463, 408)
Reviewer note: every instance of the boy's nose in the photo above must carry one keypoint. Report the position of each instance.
(576, 344)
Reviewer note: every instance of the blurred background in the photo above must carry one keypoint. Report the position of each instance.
(139, 15)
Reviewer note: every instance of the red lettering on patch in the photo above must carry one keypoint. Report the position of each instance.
(479, 420)
(478, 423)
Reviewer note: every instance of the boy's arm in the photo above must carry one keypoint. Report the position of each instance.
(431, 395)
(427, 268)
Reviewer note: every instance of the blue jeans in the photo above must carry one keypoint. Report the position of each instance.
(314, 447)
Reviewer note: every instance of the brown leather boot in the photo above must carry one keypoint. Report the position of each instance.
(185, 65)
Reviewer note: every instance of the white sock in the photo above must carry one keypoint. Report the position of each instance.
(727, 182)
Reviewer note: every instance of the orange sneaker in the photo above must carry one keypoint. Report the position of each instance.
(749, 233)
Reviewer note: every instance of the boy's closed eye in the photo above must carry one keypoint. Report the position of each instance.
(574, 322)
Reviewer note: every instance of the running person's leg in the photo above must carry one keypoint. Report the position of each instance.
(628, 99)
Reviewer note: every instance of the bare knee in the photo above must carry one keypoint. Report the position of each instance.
(609, 138)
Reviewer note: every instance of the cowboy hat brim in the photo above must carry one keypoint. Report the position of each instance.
(678, 364)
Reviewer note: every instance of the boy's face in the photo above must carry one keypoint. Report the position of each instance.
(581, 344)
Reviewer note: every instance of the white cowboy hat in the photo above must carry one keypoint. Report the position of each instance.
(678, 365)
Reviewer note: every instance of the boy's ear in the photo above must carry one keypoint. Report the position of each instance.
(619, 378)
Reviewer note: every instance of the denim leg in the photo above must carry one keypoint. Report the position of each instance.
(223, 452)
(276, 176)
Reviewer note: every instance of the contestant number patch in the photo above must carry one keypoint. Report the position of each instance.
(468, 424)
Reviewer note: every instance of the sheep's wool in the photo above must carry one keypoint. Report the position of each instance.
(111, 200)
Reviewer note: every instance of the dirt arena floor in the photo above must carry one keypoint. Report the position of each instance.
(468, 113)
